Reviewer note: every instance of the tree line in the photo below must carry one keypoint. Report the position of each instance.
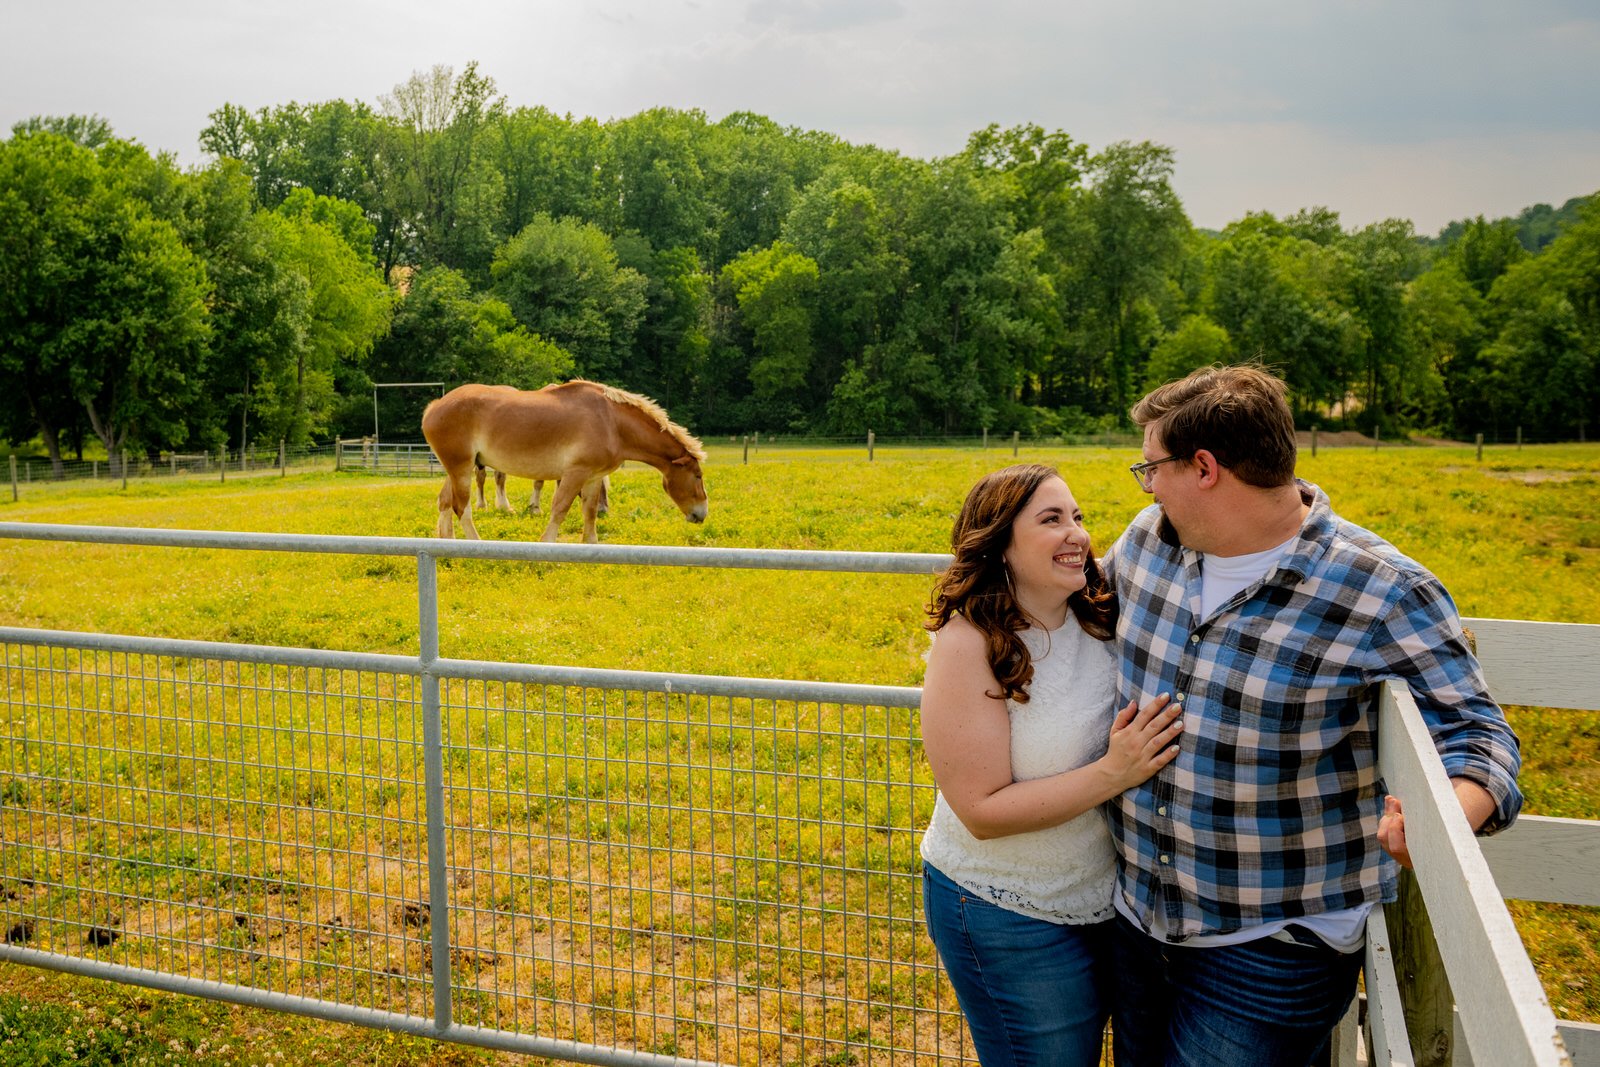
(747, 275)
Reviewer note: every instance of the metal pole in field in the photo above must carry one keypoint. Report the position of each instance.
(13, 478)
(283, 468)
(222, 464)
(1015, 434)
(124, 468)
(1480, 448)
(433, 784)
(870, 440)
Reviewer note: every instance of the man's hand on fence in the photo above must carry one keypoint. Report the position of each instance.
(1477, 804)
(1392, 831)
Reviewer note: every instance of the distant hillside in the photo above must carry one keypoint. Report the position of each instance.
(1537, 226)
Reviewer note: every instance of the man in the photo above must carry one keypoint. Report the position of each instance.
(1247, 867)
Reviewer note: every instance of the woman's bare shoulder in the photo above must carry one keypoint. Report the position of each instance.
(958, 637)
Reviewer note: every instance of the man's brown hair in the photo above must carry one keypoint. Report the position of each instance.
(1239, 414)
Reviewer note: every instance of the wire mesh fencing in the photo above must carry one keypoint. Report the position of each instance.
(624, 874)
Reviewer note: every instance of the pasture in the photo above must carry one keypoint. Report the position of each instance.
(1516, 536)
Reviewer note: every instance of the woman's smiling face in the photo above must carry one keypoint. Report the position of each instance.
(1048, 549)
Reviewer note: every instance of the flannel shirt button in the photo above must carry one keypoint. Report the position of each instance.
(1162, 810)
(1165, 858)
(1194, 639)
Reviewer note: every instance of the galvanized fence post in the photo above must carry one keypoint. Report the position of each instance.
(433, 784)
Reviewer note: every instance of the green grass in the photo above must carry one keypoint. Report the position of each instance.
(1514, 536)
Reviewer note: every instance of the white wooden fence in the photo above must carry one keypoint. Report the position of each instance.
(1469, 995)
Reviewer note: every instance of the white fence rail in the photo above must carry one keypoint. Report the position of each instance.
(1470, 995)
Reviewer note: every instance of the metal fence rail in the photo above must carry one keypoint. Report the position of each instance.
(606, 866)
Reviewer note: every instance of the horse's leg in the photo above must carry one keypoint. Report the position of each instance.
(533, 501)
(561, 500)
(456, 499)
(446, 527)
(605, 497)
(592, 493)
(479, 475)
(500, 501)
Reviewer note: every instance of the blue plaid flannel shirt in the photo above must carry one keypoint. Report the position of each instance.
(1271, 809)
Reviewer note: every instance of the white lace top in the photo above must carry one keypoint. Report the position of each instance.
(1063, 874)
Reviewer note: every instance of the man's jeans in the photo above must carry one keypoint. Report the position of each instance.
(1031, 990)
(1265, 1003)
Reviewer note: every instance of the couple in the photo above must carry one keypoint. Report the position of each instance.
(1200, 863)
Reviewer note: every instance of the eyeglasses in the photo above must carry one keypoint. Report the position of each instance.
(1141, 471)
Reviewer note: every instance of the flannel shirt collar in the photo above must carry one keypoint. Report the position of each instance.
(1316, 538)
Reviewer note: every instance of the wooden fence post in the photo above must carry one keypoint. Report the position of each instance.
(1313, 442)
(222, 463)
(1377, 437)
(1015, 436)
(870, 440)
(13, 478)
(338, 453)
(173, 462)
(1519, 438)
(747, 448)
(986, 438)
(283, 468)
(124, 468)
(1479, 443)
(94, 470)
(1424, 988)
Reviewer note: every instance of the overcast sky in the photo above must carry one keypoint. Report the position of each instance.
(1376, 108)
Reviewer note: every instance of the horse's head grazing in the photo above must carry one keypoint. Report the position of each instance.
(686, 487)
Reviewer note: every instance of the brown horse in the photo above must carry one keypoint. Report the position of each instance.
(573, 434)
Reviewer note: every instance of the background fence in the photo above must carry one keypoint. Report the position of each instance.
(596, 865)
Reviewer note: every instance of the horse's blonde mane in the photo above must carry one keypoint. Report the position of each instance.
(690, 443)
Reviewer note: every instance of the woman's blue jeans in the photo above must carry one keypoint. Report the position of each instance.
(1265, 1003)
(1033, 992)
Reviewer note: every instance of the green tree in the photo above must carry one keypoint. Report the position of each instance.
(444, 182)
(259, 307)
(775, 288)
(105, 304)
(673, 339)
(662, 186)
(443, 331)
(1197, 342)
(561, 279)
(347, 308)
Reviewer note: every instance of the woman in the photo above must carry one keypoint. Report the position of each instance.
(1018, 727)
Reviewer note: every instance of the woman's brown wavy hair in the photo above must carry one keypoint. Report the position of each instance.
(978, 588)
